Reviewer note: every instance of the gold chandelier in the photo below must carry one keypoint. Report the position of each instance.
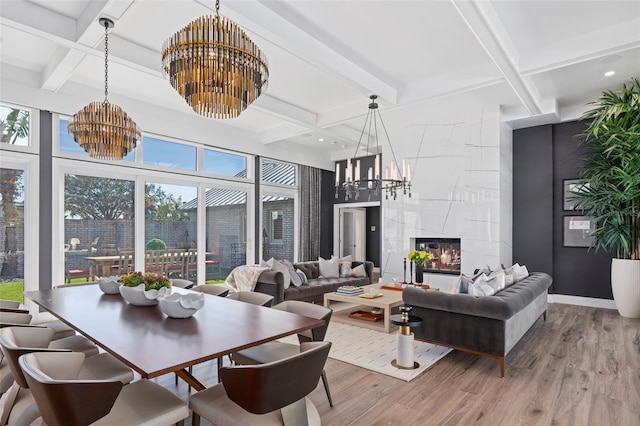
(103, 129)
(215, 66)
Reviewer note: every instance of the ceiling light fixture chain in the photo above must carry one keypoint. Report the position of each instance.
(214, 65)
(394, 178)
(103, 129)
(106, 58)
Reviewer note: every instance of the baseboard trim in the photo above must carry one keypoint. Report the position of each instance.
(582, 301)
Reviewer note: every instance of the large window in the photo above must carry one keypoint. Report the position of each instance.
(226, 231)
(276, 172)
(278, 222)
(224, 163)
(15, 124)
(169, 154)
(11, 233)
(170, 232)
(98, 225)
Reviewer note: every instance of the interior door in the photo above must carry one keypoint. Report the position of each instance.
(352, 231)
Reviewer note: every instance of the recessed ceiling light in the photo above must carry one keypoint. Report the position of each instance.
(609, 73)
(320, 140)
(343, 146)
(333, 142)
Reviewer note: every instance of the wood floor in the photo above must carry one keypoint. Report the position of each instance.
(580, 367)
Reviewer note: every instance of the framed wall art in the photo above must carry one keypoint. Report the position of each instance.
(578, 231)
(570, 188)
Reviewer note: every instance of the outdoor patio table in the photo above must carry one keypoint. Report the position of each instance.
(153, 344)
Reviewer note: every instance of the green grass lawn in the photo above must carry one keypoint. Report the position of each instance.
(12, 291)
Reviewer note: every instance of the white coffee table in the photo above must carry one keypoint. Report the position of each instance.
(388, 302)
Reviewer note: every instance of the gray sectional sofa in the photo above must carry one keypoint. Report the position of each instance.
(272, 282)
(489, 325)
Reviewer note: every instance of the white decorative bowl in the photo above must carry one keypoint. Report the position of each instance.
(138, 296)
(109, 285)
(181, 305)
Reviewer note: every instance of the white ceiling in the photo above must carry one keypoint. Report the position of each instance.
(539, 61)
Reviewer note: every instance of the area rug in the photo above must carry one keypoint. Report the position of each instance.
(375, 350)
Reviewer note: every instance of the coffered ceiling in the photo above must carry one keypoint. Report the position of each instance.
(539, 61)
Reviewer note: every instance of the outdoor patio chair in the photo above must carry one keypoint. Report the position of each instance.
(174, 263)
(271, 393)
(65, 398)
(271, 351)
(19, 407)
(75, 243)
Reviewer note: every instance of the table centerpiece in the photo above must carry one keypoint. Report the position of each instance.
(144, 289)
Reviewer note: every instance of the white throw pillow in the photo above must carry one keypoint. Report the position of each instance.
(486, 286)
(296, 280)
(358, 272)
(519, 272)
(280, 267)
(329, 268)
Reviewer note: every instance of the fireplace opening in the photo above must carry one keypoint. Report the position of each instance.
(446, 254)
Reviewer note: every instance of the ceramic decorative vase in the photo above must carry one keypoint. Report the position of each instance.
(181, 305)
(419, 273)
(109, 285)
(138, 296)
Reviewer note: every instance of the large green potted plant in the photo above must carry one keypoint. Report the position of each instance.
(610, 188)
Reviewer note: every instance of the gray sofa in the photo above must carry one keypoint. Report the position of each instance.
(272, 282)
(489, 325)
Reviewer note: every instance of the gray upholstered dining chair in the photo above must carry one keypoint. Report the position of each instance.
(271, 393)
(19, 407)
(213, 289)
(62, 337)
(65, 398)
(272, 351)
(179, 282)
(253, 297)
(11, 317)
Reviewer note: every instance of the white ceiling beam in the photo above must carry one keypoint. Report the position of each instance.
(38, 21)
(484, 24)
(88, 33)
(276, 107)
(273, 21)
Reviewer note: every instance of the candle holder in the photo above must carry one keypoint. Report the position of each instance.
(411, 272)
(404, 267)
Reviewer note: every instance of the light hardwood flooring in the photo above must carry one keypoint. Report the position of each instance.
(580, 367)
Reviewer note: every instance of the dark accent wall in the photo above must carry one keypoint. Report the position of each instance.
(45, 238)
(327, 197)
(543, 157)
(373, 233)
(578, 271)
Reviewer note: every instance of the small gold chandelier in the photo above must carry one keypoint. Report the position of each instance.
(103, 129)
(215, 66)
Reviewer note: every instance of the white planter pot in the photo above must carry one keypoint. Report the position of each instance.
(625, 283)
(138, 296)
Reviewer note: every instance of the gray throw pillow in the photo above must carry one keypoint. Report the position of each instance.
(296, 280)
(303, 277)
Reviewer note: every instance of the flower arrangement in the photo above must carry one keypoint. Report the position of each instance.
(420, 257)
(151, 280)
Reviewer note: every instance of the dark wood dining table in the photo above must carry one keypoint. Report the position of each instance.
(152, 344)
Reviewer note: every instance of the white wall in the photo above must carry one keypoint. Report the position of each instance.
(461, 176)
